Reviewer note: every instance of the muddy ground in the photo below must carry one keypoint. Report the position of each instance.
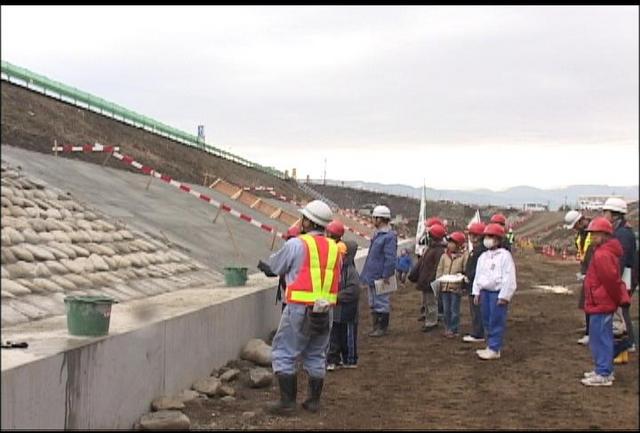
(413, 380)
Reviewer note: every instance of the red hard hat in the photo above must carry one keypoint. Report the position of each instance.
(437, 231)
(498, 219)
(477, 229)
(457, 237)
(336, 228)
(494, 230)
(433, 220)
(600, 224)
(293, 232)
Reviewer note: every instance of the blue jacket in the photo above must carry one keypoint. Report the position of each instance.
(404, 263)
(628, 240)
(381, 260)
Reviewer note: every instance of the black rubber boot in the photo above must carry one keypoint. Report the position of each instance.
(312, 403)
(288, 390)
(375, 318)
(380, 328)
(384, 322)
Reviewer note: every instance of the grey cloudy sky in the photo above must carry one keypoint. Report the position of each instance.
(464, 97)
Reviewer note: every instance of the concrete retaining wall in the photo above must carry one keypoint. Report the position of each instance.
(101, 383)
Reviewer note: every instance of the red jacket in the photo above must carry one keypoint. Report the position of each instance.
(603, 288)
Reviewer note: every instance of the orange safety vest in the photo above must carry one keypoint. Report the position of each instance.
(319, 275)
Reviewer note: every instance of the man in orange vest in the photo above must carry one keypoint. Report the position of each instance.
(311, 264)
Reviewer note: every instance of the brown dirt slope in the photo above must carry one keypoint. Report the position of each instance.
(32, 121)
(413, 380)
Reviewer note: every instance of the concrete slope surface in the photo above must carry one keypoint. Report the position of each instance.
(163, 212)
(53, 246)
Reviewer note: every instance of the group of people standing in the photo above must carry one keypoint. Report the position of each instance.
(320, 307)
(608, 256)
(483, 269)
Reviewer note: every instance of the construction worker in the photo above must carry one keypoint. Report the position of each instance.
(335, 230)
(501, 220)
(292, 232)
(424, 273)
(604, 293)
(574, 220)
(380, 265)
(493, 287)
(311, 264)
(476, 231)
(614, 210)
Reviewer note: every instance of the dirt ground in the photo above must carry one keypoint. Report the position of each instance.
(32, 121)
(413, 380)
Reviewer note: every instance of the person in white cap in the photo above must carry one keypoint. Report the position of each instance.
(574, 220)
(614, 210)
(311, 264)
(380, 264)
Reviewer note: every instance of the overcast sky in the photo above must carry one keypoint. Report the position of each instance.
(464, 97)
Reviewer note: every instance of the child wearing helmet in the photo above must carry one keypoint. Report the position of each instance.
(604, 292)
(493, 288)
(452, 262)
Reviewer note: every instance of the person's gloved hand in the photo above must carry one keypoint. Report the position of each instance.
(265, 269)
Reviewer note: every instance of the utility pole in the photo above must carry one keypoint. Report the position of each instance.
(324, 179)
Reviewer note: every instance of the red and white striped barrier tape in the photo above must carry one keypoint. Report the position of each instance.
(186, 188)
(86, 148)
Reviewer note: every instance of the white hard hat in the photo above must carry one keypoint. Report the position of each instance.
(615, 204)
(382, 212)
(571, 218)
(319, 212)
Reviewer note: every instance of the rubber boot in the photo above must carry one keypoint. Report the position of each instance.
(381, 329)
(312, 403)
(288, 390)
(375, 319)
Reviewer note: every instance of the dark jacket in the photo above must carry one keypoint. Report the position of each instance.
(346, 310)
(629, 258)
(424, 272)
(472, 263)
(603, 287)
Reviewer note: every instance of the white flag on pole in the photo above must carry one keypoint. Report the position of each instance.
(475, 219)
(421, 218)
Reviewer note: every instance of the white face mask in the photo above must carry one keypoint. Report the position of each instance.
(488, 243)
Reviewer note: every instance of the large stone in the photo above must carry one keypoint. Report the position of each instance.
(31, 311)
(13, 235)
(260, 377)
(67, 249)
(229, 375)
(13, 287)
(167, 403)
(52, 224)
(257, 351)
(40, 253)
(82, 283)
(208, 386)
(53, 213)
(165, 420)
(33, 212)
(46, 285)
(80, 251)
(188, 395)
(226, 390)
(76, 266)
(47, 237)
(17, 211)
(22, 253)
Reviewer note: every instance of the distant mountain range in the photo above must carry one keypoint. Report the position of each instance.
(512, 197)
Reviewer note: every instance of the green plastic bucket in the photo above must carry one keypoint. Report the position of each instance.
(235, 276)
(88, 315)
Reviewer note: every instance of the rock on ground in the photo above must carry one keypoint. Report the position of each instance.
(257, 351)
(229, 375)
(260, 377)
(167, 403)
(165, 420)
(208, 386)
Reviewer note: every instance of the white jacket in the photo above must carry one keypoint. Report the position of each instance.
(495, 272)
